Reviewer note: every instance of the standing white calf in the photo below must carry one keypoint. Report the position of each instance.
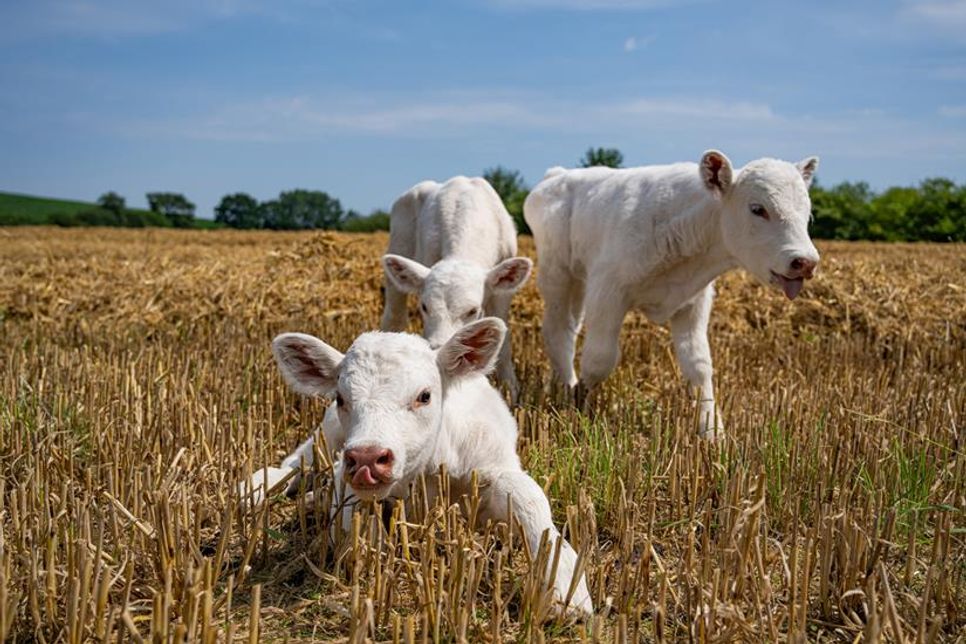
(463, 232)
(403, 409)
(654, 238)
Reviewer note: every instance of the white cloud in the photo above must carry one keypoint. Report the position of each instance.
(300, 117)
(946, 17)
(443, 114)
(669, 127)
(114, 18)
(587, 5)
(633, 43)
(949, 13)
(953, 111)
(948, 73)
(708, 109)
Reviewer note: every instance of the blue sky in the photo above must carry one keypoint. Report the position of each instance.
(364, 98)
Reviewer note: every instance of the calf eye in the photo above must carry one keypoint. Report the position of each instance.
(422, 307)
(758, 210)
(471, 314)
(422, 399)
(339, 400)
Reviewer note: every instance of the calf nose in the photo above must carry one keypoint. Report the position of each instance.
(803, 266)
(369, 465)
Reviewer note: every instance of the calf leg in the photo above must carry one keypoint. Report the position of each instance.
(563, 302)
(395, 315)
(263, 481)
(689, 332)
(532, 510)
(505, 372)
(604, 310)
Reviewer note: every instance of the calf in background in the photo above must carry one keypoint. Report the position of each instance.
(654, 238)
(453, 244)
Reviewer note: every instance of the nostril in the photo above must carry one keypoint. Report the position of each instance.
(350, 462)
(385, 458)
(798, 263)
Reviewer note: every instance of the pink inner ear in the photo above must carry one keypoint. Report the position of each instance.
(300, 361)
(509, 276)
(473, 354)
(304, 366)
(714, 164)
(480, 339)
(397, 268)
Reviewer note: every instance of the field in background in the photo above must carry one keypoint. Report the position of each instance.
(28, 210)
(137, 388)
(16, 209)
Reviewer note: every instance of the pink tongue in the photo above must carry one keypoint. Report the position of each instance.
(791, 287)
(364, 477)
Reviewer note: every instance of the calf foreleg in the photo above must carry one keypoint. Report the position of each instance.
(689, 332)
(499, 306)
(253, 492)
(395, 315)
(532, 510)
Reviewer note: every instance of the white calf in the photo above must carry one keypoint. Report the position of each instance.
(654, 238)
(403, 409)
(462, 230)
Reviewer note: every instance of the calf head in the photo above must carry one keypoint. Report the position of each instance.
(765, 210)
(389, 389)
(454, 292)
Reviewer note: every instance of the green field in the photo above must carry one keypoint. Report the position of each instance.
(27, 210)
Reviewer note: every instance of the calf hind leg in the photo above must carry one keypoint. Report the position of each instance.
(563, 303)
(601, 351)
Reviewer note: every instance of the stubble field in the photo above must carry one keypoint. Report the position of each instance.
(137, 388)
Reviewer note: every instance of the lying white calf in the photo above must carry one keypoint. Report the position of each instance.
(403, 409)
(462, 230)
(654, 239)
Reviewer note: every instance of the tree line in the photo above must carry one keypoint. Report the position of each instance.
(295, 210)
(935, 210)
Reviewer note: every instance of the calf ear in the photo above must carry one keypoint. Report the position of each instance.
(309, 366)
(405, 274)
(808, 167)
(509, 275)
(472, 349)
(716, 172)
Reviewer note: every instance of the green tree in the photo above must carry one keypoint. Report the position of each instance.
(112, 201)
(890, 215)
(239, 210)
(357, 223)
(844, 212)
(513, 192)
(299, 209)
(173, 205)
(940, 212)
(610, 157)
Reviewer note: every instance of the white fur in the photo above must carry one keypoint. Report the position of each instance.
(654, 238)
(453, 244)
(465, 426)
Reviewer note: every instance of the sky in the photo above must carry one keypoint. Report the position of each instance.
(364, 98)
